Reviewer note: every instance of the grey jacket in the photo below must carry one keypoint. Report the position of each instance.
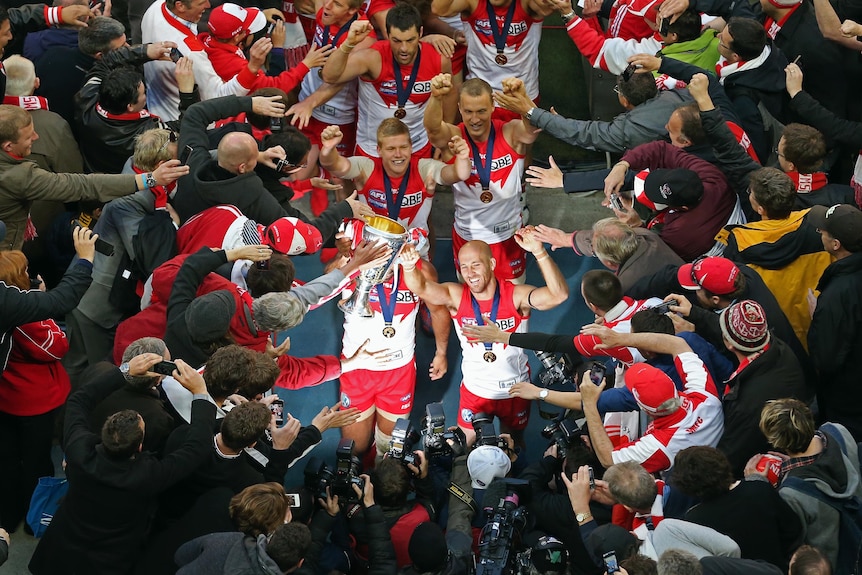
(642, 124)
(836, 475)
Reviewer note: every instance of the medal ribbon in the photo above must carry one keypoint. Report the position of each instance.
(341, 32)
(387, 306)
(483, 170)
(500, 35)
(393, 207)
(402, 91)
(477, 313)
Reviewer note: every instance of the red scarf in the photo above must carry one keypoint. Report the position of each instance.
(125, 116)
(808, 182)
(27, 102)
(746, 361)
(773, 27)
(160, 192)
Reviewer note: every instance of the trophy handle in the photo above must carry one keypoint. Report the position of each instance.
(357, 303)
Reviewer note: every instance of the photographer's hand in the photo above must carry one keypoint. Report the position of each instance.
(367, 492)
(330, 504)
(422, 470)
(283, 437)
(578, 488)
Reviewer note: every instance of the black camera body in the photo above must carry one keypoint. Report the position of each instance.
(501, 535)
(404, 439)
(486, 433)
(346, 472)
(319, 476)
(434, 430)
(562, 432)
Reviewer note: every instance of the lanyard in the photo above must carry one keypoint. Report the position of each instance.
(500, 35)
(387, 306)
(341, 32)
(393, 208)
(404, 93)
(483, 170)
(495, 306)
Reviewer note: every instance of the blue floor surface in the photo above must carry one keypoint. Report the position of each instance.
(320, 333)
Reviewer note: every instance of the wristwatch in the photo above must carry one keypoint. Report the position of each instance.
(568, 17)
(124, 369)
(543, 394)
(583, 517)
(529, 114)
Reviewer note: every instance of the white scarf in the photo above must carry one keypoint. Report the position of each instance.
(724, 69)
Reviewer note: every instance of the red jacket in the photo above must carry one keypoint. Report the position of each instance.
(152, 321)
(34, 381)
(229, 60)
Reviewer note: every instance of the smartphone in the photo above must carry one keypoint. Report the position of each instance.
(276, 123)
(663, 26)
(617, 203)
(597, 373)
(664, 307)
(35, 283)
(95, 4)
(277, 408)
(184, 155)
(292, 499)
(164, 368)
(101, 246)
(629, 72)
(269, 29)
(176, 55)
(611, 565)
(592, 479)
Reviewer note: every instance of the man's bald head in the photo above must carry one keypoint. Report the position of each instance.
(237, 153)
(476, 247)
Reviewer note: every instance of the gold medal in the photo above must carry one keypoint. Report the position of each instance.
(400, 113)
(486, 197)
(490, 356)
(501, 59)
(389, 331)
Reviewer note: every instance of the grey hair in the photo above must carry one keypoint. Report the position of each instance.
(678, 562)
(614, 241)
(138, 347)
(99, 34)
(20, 76)
(631, 485)
(278, 311)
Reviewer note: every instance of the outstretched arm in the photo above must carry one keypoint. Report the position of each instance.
(555, 291)
(344, 65)
(432, 292)
(654, 342)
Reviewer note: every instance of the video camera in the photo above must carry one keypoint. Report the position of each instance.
(319, 476)
(434, 430)
(486, 433)
(403, 441)
(556, 374)
(501, 535)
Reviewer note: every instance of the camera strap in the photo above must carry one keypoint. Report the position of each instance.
(463, 496)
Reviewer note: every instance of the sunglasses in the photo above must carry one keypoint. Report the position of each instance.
(286, 167)
(173, 138)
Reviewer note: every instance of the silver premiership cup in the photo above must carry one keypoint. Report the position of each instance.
(377, 229)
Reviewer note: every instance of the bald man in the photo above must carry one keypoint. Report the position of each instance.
(230, 179)
(489, 370)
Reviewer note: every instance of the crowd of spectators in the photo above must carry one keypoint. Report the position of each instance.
(709, 416)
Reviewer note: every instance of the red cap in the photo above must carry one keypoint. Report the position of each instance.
(653, 390)
(228, 20)
(291, 236)
(714, 274)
